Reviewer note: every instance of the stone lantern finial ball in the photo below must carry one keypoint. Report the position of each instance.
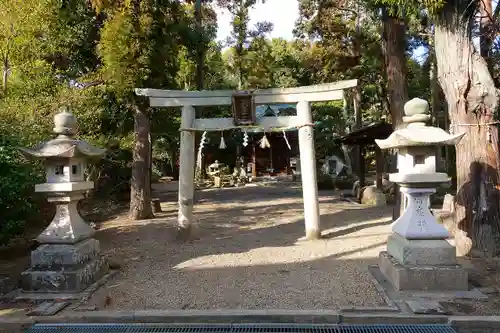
(416, 106)
(65, 122)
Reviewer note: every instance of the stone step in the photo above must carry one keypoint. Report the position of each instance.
(73, 280)
(59, 256)
(421, 251)
(423, 277)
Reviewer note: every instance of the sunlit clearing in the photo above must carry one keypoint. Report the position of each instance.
(362, 244)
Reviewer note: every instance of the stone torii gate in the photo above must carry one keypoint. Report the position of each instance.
(303, 96)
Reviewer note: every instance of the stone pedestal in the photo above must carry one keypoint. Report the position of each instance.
(418, 256)
(417, 221)
(68, 261)
(67, 226)
(422, 265)
(68, 268)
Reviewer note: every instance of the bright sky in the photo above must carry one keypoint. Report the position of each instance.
(282, 13)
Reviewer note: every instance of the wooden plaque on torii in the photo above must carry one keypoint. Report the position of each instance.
(243, 108)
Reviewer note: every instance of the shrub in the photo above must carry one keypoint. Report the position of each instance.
(325, 182)
(17, 179)
(113, 173)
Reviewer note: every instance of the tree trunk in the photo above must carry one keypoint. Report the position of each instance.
(5, 74)
(358, 123)
(200, 48)
(435, 102)
(140, 191)
(358, 117)
(395, 66)
(200, 76)
(379, 160)
(394, 44)
(472, 102)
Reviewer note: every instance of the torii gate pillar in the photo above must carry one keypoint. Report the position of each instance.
(186, 174)
(308, 171)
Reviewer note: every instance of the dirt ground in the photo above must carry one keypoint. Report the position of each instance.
(249, 255)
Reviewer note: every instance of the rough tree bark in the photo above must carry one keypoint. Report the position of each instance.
(472, 101)
(395, 66)
(200, 64)
(358, 149)
(140, 187)
(357, 98)
(200, 48)
(5, 74)
(434, 96)
(394, 45)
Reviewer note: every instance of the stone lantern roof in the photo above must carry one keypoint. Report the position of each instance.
(417, 133)
(64, 145)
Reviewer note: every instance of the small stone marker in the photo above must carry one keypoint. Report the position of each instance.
(426, 307)
(156, 205)
(48, 309)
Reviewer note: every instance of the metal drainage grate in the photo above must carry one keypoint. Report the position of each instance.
(237, 328)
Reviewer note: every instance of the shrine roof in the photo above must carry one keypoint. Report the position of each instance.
(367, 134)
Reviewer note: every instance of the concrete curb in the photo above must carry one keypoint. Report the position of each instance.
(490, 324)
(473, 324)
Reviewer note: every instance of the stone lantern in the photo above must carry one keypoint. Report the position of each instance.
(418, 255)
(67, 259)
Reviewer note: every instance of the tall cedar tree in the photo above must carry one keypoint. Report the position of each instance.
(473, 100)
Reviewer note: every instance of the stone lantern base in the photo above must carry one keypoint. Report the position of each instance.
(422, 265)
(68, 259)
(67, 268)
(418, 256)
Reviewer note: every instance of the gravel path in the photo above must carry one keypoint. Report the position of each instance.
(249, 255)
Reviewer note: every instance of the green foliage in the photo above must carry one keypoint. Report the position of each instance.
(241, 37)
(140, 43)
(17, 179)
(331, 123)
(20, 22)
(88, 58)
(113, 173)
(418, 80)
(120, 52)
(407, 8)
(347, 46)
